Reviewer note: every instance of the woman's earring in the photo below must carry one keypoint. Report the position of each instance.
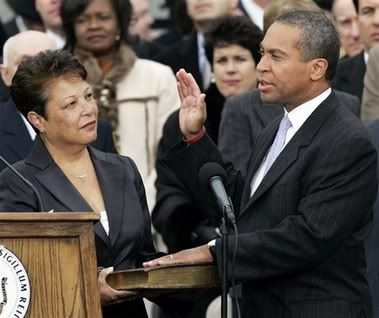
(118, 37)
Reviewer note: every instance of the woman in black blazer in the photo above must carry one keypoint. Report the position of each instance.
(50, 90)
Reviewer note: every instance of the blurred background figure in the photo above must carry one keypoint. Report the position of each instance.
(351, 71)
(25, 17)
(135, 95)
(346, 21)
(189, 53)
(50, 15)
(279, 7)
(141, 21)
(233, 51)
(370, 100)
(254, 9)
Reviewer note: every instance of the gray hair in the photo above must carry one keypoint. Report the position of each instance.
(319, 37)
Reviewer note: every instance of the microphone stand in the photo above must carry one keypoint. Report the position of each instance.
(227, 215)
(224, 269)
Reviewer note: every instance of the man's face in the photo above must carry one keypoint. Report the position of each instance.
(368, 19)
(347, 26)
(142, 20)
(283, 76)
(200, 10)
(49, 12)
(26, 45)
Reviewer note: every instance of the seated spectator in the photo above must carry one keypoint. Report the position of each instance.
(16, 134)
(134, 94)
(370, 102)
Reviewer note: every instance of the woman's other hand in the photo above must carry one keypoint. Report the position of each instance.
(108, 295)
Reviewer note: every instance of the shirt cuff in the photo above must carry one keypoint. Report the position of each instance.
(195, 138)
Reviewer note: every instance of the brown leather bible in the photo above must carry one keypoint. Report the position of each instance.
(165, 279)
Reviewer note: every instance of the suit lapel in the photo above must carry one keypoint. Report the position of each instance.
(55, 182)
(290, 153)
(261, 147)
(111, 177)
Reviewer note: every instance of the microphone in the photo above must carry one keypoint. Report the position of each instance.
(28, 183)
(212, 174)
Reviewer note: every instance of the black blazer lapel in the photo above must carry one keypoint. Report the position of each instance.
(54, 181)
(290, 153)
(112, 182)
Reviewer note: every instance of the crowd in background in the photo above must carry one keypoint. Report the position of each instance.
(132, 72)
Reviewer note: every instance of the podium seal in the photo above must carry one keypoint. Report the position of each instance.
(14, 286)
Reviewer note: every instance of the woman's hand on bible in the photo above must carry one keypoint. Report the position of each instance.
(108, 295)
(197, 255)
(193, 112)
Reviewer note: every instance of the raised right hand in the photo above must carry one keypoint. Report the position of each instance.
(193, 111)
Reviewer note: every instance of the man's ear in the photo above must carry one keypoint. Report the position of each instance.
(5, 75)
(37, 121)
(318, 69)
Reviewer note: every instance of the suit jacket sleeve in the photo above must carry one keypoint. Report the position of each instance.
(370, 102)
(341, 191)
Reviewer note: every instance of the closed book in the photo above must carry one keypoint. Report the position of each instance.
(165, 279)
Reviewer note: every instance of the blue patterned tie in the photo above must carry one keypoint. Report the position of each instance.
(278, 143)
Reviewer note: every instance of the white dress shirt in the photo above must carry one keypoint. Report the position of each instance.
(297, 117)
(29, 127)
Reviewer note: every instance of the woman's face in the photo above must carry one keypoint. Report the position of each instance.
(234, 70)
(71, 113)
(96, 29)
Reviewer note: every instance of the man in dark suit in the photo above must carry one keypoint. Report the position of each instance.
(305, 207)
(351, 71)
(245, 116)
(189, 52)
(16, 134)
(372, 247)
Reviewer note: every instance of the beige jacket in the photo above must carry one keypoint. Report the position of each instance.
(147, 96)
(370, 99)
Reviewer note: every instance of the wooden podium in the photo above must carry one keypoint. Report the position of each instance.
(58, 253)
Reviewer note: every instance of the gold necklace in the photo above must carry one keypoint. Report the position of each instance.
(82, 177)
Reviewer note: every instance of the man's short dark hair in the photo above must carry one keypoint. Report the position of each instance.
(234, 30)
(33, 76)
(319, 37)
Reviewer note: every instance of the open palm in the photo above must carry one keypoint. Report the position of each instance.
(193, 112)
